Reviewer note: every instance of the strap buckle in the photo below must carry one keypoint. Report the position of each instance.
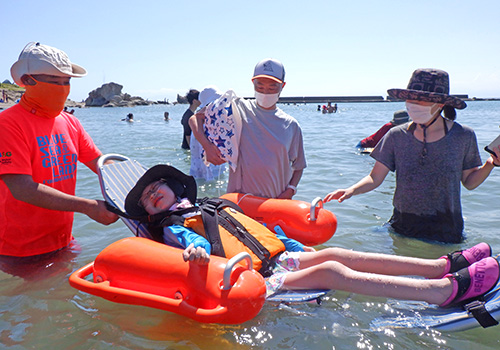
(478, 310)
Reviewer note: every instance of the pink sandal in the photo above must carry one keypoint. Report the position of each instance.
(473, 281)
(464, 258)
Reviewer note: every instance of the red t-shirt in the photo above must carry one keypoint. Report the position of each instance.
(372, 140)
(48, 150)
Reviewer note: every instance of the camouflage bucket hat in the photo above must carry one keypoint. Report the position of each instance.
(429, 85)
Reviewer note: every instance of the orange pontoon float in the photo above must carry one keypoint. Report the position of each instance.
(308, 223)
(224, 291)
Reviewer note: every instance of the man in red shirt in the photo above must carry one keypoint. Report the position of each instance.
(40, 146)
(400, 117)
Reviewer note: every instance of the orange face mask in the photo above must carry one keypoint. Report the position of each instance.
(44, 99)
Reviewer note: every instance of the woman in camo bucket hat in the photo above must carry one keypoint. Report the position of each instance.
(430, 85)
(432, 157)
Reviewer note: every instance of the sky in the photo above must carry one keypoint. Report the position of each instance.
(158, 49)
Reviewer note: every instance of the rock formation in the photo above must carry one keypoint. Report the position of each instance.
(11, 96)
(182, 99)
(12, 93)
(110, 95)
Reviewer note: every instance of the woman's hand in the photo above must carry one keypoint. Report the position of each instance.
(366, 184)
(340, 195)
(495, 157)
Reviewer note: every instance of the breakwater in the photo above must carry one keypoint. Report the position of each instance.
(333, 99)
(344, 99)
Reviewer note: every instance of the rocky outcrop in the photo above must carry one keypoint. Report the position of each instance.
(11, 96)
(110, 95)
(182, 99)
(72, 104)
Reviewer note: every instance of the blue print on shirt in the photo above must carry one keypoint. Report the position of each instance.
(57, 156)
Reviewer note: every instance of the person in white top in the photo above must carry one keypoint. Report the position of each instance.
(271, 155)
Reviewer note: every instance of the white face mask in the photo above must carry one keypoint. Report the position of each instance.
(266, 100)
(421, 114)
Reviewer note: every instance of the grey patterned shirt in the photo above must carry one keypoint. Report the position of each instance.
(427, 196)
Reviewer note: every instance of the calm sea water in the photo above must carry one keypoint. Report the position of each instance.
(46, 313)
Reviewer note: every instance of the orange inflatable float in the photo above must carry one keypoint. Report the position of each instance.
(308, 223)
(224, 291)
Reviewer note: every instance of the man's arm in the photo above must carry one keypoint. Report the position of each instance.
(24, 189)
(212, 152)
(92, 165)
(289, 192)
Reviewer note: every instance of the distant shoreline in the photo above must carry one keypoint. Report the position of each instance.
(356, 99)
(304, 99)
(69, 104)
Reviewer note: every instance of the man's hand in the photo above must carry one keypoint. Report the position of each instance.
(101, 214)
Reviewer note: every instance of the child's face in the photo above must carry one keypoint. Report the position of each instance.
(157, 197)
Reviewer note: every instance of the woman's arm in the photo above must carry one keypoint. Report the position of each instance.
(366, 184)
(472, 178)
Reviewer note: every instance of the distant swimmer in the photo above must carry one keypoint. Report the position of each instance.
(166, 116)
(130, 118)
(329, 107)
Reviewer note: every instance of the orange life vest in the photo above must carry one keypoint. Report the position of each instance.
(231, 232)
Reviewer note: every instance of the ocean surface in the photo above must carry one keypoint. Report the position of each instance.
(45, 312)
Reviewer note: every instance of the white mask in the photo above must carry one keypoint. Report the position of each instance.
(422, 114)
(266, 100)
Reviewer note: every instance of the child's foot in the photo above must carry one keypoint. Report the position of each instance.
(463, 258)
(473, 281)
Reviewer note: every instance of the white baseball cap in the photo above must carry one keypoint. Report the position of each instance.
(209, 94)
(42, 59)
(270, 68)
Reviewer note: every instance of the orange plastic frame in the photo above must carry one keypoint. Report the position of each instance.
(308, 223)
(139, 271)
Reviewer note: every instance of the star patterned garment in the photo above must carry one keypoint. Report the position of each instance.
(223, 127)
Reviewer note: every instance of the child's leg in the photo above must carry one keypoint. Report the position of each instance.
(376, 263)
(334, 275)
